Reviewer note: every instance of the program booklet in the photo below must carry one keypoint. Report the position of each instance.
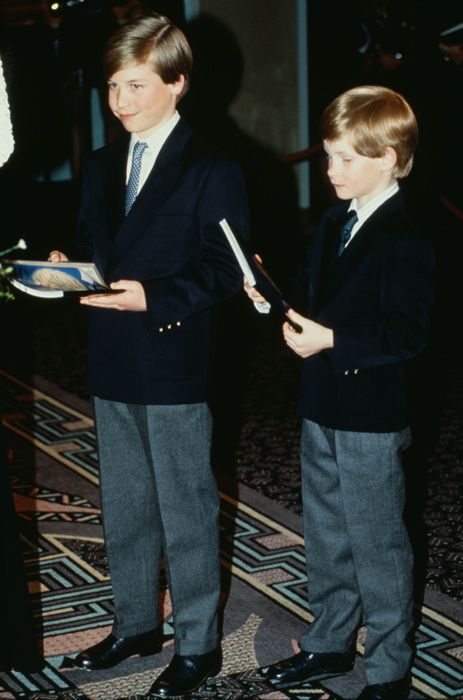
(51, 280)
(256, 274)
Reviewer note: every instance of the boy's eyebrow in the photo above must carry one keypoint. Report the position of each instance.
(127, 82)
(342, 152)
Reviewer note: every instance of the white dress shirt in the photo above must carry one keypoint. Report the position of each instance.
(363, 213)
(155, 142)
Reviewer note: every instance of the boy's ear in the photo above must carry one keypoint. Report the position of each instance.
(389, 158)
(177, 87)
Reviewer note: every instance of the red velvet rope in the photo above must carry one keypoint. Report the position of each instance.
(452, 208)
(299, 156)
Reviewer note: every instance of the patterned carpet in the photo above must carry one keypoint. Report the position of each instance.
(54, 472)
(265, 443)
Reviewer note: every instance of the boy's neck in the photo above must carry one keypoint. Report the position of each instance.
(371, 204)
(389, 188)
(159, 131)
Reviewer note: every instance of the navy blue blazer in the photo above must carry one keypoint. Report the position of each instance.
(171, 242)
(378, 298)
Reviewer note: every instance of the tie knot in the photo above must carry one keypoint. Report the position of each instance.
(348, 224)
(138, 149)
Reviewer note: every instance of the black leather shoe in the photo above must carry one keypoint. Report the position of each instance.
(186, 673)
(307, 666)
(112, 650)
(396, 690)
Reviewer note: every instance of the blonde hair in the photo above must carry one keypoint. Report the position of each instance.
(374, 118)
(150, 38)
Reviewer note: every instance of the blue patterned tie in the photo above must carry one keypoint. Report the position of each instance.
(346, 229)
(131, 190)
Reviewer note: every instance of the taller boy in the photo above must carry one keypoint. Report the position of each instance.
(370, 291)
(150, 212)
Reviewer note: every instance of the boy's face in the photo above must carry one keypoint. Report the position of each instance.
(353, 175)
(140, 99)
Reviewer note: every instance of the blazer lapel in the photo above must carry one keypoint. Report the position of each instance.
(323, 257)
(159, 184)
(112, 213)
(340, 269)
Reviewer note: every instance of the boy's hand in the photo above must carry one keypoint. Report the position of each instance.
(313, 339)
(57, 256)
(251, 291)
(131, 299)
(253, 294)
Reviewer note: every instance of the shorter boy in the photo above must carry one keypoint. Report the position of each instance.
(370, 294)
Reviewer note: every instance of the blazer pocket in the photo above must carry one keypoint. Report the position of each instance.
(179, 353)
(378, 391)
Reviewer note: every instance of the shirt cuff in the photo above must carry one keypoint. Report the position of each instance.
(263, 307)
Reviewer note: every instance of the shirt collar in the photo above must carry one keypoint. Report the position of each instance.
(367, 210)
(156, 140)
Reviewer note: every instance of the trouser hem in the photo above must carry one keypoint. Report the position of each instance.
(133, 630)
(325, 646)
(190, 648)
(389, 678)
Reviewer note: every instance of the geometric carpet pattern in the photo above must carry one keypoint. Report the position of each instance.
(55, 478)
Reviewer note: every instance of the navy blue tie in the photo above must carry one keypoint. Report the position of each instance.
(346, 230)
(131, 190)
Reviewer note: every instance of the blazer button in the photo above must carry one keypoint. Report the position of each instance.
(161, 330)
(178, 323)
(169, 326)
